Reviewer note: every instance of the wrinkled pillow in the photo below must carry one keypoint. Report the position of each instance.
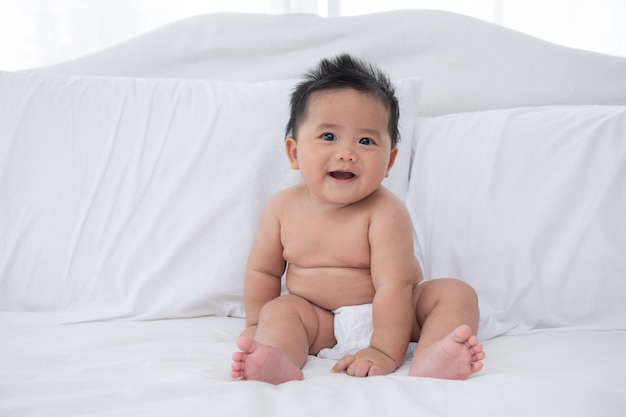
(529, 206)
(139, 198)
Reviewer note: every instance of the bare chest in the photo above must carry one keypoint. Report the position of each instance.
(314, 241)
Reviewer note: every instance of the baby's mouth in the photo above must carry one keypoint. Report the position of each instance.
(342, 175)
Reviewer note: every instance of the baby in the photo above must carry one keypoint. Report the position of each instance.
(346, 240)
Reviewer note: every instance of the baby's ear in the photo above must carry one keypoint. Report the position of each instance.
(392, 159)
(291, 147)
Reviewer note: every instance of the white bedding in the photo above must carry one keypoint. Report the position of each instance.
(466, 64)
(180, 368)
(136, 199)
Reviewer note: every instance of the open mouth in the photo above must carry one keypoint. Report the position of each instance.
(342, 175)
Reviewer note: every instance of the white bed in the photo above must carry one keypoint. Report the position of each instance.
(131, 182)
(181, 367)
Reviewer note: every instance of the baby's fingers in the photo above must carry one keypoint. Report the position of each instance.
(343, 363)
(360, 368)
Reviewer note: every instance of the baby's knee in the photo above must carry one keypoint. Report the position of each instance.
(462, 289)
(283, 304)
(448, 289)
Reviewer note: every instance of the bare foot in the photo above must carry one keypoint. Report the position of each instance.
(456, 356)
(259, 362)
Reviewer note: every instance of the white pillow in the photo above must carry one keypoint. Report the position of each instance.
(529, 206)
(139, 198)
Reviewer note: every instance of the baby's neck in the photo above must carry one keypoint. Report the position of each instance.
(327, 206)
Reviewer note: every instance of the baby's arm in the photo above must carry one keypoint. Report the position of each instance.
(394, 272)
(265, 266)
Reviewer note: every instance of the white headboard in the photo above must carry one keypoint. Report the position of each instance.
(466, 64)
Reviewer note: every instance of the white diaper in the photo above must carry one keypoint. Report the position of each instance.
(353, 331)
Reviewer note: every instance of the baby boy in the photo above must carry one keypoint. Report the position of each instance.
(346, 240)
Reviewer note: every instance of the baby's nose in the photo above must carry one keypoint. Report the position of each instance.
(346, 154)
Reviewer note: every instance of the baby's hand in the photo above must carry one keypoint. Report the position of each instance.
(366, 362)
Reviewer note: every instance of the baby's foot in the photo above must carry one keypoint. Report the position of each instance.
(456, 356)
(259, 362)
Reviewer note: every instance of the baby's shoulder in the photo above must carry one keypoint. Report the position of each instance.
(287, 194)
(384, 198)
(386, 205)
(283, 198)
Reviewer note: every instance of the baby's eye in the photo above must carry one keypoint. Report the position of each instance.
(366, 141)
(329, 137)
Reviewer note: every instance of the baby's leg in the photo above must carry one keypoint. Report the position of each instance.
(289, 328)
(446, 324)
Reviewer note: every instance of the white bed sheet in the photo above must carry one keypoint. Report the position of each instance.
(180, 367)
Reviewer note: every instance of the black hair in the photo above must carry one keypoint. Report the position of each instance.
(344, 71)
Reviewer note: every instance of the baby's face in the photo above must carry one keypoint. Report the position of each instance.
(343, 147)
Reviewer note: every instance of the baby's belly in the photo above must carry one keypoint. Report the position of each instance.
(331, 288)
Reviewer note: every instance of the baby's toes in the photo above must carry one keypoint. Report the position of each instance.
(236, 366)
(478, 356)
